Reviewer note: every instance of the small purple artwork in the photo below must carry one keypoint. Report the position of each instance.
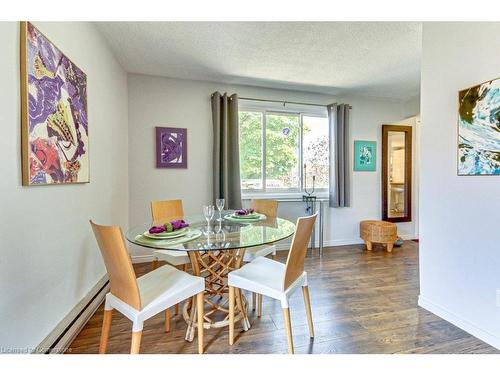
(171, 147)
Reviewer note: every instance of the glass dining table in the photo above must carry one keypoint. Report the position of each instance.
(214, 250)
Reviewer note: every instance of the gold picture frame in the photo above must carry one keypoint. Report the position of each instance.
(54, 113)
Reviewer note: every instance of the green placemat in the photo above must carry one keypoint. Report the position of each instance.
(191, 235)
(242, 219)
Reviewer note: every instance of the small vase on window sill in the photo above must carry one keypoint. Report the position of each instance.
(309, 193)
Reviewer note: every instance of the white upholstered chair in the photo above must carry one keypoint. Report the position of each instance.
(270, 278)
(141, 298)
(269, 208)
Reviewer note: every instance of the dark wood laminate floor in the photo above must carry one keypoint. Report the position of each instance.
(362, 302)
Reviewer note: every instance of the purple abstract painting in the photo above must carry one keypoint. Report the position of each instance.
(54, 113)
(171, 148)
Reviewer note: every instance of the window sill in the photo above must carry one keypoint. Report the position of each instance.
(277, 196)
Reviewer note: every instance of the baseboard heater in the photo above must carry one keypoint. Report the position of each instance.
(61, 337)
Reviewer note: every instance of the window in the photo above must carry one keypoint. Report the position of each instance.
(315, 148)
(282, 151)
(275, 145)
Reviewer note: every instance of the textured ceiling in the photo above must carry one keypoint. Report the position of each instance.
(364, 58)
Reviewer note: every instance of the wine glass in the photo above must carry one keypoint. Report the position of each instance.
(208, 211)
(220, 207)
(220, 236)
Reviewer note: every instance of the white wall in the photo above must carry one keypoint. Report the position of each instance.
(49, 258)
(411, 107)
(155, 101)
(459, 216)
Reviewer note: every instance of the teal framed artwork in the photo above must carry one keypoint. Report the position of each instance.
(365, 156)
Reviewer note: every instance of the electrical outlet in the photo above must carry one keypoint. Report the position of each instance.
(498, 297)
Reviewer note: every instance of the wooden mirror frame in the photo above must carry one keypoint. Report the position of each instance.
(408, 171)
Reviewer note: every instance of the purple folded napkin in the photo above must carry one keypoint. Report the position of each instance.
(244, 211)
(155, 230)
(169, 227)
(179, 224)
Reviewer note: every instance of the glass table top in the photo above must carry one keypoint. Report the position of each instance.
(225, 235)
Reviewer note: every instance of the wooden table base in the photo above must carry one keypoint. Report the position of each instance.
(214, 266)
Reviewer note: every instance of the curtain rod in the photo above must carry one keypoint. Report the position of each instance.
(286, 102)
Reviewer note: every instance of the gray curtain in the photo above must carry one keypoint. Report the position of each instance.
(226, 160)
(340, 184)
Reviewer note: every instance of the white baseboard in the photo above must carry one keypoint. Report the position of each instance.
(279, 247)
(408, 237)
(285, 246)
(327, 243)
(65, 332)
(458, 321)
(142, 258)
(344, 242)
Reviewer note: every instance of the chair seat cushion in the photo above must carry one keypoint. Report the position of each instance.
(263, 276)
(159, 289)
(167, 286)
(173, 257)
(258, 251)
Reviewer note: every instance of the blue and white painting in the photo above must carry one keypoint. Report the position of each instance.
(365, 156)
(479, 129)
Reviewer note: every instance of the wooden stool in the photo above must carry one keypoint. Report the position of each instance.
(378, 231)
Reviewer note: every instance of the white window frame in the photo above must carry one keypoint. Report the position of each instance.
(285, 109)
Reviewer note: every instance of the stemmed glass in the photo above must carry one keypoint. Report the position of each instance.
(208, 211)
(220, 207)
(220, 236)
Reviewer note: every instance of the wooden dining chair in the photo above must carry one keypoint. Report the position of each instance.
(169, 210)
(269, 208)
(277, 280)
(141, 298)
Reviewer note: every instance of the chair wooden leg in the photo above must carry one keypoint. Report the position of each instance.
(154, 264)
(259, 303)
(231, 314)
(389, 247)
(167, 320)
(238, 295)
(190, 329)
(288, 326)
(136, 342)
(254, 301)
(200, 302)
(369, 246)
(106, 325)
(181, 267)
(307, 302)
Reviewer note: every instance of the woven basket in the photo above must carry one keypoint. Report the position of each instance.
(378, 231)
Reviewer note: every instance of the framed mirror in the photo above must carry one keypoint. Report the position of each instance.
(396, 173)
